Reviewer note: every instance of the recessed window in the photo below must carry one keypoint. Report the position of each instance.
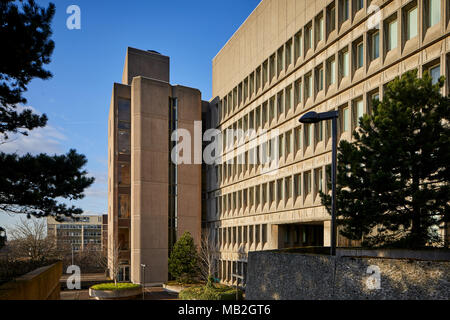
(280, 103)
(320, 79)
(319, 131)
(298, 138)
(344, 63)
(411, 23)
(435, 73)
(265, 73)
(271, 67)
(272, 110)
(345, 119)
(331, 17)
(308, 134)
(288, 135)
(359, 4)
(307, 180)
(289, 98)
(298, 45)
(331, 71)
(308, 37)
(360, 55)
(308, 86)
(375, 45)
(432, 12)
(358, 110)
(298, 92)
(318, 177)
(345, 8)
(288, 53)
(297, 185)
(288, 188)
(280, 60)
(392, 35)
(320, 28)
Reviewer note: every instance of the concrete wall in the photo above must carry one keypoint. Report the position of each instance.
(40, 284)
(293, 276)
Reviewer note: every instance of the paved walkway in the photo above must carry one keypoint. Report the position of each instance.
(154, 293)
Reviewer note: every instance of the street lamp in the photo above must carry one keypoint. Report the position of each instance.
(314, 117)
(143, 280)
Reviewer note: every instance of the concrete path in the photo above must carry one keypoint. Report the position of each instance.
(154, 293)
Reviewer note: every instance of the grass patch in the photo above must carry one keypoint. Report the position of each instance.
(112, 286)
(214, 292)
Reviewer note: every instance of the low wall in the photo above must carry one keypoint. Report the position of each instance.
(274, 275)
(40, 284)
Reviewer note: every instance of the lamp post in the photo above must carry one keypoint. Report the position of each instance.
(314, 117)
(143, 280)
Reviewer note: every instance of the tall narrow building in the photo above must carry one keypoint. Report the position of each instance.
(151, 200)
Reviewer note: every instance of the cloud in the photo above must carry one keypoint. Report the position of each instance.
(48, 139)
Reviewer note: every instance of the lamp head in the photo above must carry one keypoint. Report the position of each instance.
(310, 117)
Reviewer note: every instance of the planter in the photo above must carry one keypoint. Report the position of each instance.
(122, 294)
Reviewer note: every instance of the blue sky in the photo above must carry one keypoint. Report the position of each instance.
(86, 62)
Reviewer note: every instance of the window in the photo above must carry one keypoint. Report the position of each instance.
(308, 86)
(360, 55)
(272, 110)
(257, 195)
(289, 98)
(319, 131)
(279, 190)
(308, 134)
(258, 79)
(281, 146)
(258, 118)
(345, 7)
(297, 185)
(320, 78)
(433, 12)
(308, 37)
(264, 193)
(344, 63)
(245, 89)
(359, 4)
(124, 142)
(280, 60)
(392, 35)
(411, 23)
(271, 192)
(331, 71)
(320, 28)
(331, 18)
(280, 103)
(298, 45)
(358, 110)
(307, 177)
(252, 84)
(124, 174)
(288, 188)
(264, 113)
(319, 179)
(288, 53)
(345, 119)
(375, 45)
(265, 73)
(298, 92)
(272, 67)
(435, 73)
(288, 135)
(124, 206)
(298, 139)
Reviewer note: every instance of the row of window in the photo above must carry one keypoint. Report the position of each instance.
(241, 235)
(278, 192)
(226, 269)
(329, 72)
(78, 226)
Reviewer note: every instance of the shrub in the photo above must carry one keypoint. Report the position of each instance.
(183, 260)
(112, 286)
(214, 292)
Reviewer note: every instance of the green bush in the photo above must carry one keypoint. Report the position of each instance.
(183, 260)
(112, 286)
(215, 292)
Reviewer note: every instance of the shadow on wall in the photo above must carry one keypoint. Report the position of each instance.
(295, 276)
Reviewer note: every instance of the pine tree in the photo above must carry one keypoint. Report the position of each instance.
(183, 261)
(31, 185)
(393, 179)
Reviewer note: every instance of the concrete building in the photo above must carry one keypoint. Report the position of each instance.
(288, 58)
(81, 234)
(151, 200)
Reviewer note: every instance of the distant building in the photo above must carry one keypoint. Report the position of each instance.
(87, 231)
